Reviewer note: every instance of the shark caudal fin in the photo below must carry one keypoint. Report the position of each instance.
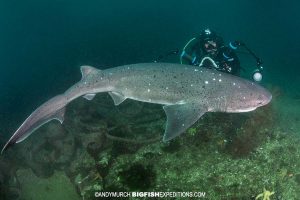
(48, 111)
(53, 108)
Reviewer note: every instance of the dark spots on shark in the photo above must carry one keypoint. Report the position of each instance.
(174, 76)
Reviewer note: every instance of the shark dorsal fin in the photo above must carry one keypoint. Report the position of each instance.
(85, 70)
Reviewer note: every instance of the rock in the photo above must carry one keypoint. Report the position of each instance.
(82, 164)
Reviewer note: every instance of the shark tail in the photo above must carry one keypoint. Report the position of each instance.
(53, 108)
(37, 119)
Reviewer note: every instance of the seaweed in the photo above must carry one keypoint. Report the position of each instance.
(252, 133)
(138, 177)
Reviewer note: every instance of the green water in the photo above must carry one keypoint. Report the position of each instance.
(43, 43)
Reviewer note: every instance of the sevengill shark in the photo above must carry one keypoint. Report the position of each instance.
(187, 92)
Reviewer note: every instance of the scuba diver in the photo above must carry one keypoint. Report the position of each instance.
(221, 57)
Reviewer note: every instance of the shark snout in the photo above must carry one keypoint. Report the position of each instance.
(264, 98)
(269, 97)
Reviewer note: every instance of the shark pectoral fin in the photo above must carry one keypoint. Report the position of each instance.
(89, 96)
(117, 97)
(180, 117)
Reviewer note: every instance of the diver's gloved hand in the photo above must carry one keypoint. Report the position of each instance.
(234, 45)
(239, 43)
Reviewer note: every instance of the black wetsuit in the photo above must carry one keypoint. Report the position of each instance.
(225, 58)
